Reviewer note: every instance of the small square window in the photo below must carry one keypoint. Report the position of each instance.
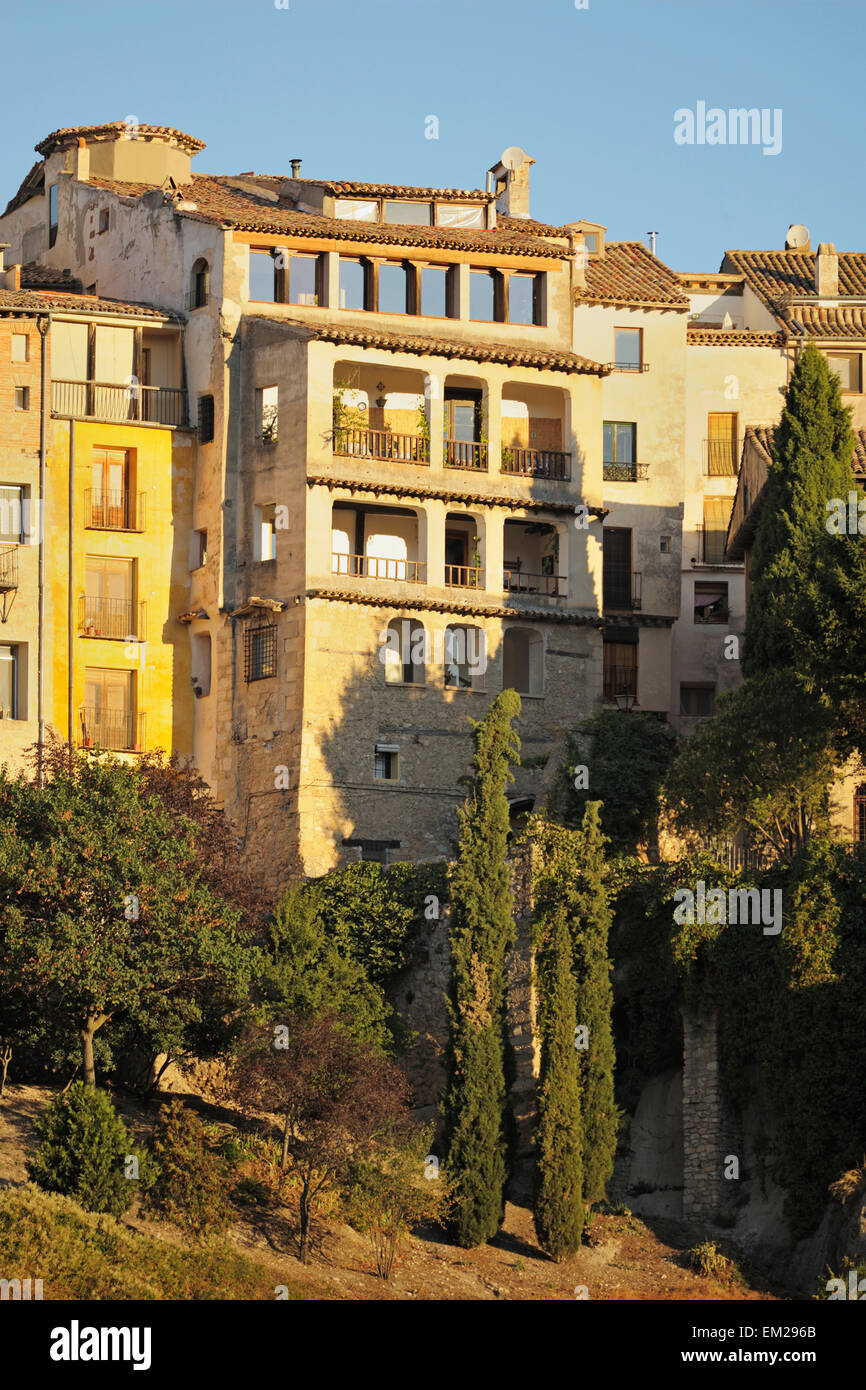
(260, 652)
(665, 544)
(20, 347)
(22, 397)
(697, 701)
(711, 603)
(103, 220)
(385, 763)
(846, 366)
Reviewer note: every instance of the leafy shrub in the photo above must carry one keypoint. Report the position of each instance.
(707, 1259)
(386, 1199)
(191, 1187)
(83, 1150)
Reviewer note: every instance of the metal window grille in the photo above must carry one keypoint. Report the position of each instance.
(205, 419)
(260, 653)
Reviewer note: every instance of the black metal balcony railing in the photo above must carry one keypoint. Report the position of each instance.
(621, 589)
(462, 454)
(8, 568)
(537, 463)
(619, 680)
(114, 511)
(115, 618)
(373, 567)
(625, 472)
(721, 458)
(522, 582)
(381, 444)
(463, 576)
(110, 728)
(103, 400)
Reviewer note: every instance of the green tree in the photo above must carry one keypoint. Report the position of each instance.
(83, 1151)
(626, 758)
(808, 583)
(481, 932)
(559, 1206)
(105, 917)
(192, 1186)
(762, 764)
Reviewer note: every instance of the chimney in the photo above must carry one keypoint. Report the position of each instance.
(511, 176)
(82, 161)
(827, 271)
(4, 247)
(13, 277)
(296, 168)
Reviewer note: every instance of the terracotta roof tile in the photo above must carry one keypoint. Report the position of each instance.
(697, 336)
(58, 302)
(543, 359)
(347, 188)
(819, 322)
(218, 201)
(778, 277)
(68, 135)
(46, 277)
(763, 435)
(629, 274)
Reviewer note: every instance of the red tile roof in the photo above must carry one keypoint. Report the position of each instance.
(778, 277)
(630, 274)
(544, 359)
(69, 135)
(696, 336)
(348, 188)
(56, 301)
(46, 277)
(218, 201)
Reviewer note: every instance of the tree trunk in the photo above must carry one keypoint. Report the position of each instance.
(5, 1059)
(92, 1023)
(305, 1223)
(284, 1161)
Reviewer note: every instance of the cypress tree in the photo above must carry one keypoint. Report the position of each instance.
(590, 926)
(559, 1204)
(481, 932)
(807, 583)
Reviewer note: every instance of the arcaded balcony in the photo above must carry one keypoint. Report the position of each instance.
(531, 565)
(533, 433)
(380, 543)
(463, 568)
(380, 413)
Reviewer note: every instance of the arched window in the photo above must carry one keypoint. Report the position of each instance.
(200, 284)
(523, 661)
(465, 657)
(404, 653)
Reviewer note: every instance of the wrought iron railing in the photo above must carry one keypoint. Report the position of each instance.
(116, 618)
(625, 472)
(621, 589)
(8, 567)
(109, 728)
(114, 511)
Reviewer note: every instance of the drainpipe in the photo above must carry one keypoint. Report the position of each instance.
(42, 325)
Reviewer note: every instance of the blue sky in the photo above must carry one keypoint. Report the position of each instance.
(591, 93)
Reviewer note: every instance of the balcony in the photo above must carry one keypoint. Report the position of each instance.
(114, 511)
(374, 567)
(621, 590)
(463, 576)
(381, 444)
(8, 568)
(537, 463)
(619, 680)
(626, 472)
(522, 582)
(103, 400)
(721, 458)
(114, 619)
(710, 547)
(462, 454)
(119, 730)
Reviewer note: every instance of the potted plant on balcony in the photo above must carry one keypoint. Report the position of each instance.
(475, 571)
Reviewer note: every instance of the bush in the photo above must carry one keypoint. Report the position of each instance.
(192, 1186)
(386, 1199)
(83, 1150)
(707, 1259)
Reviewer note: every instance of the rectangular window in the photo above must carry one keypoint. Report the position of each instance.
(108, 713)
(199, 549)
(357, 209)
(353, 284)
(385, 763)
(9, 668)
(52, 214)
(665, 545)
(304, 277)
(205, 419)
(260, 652)
(846, 366)
(103, 220)
(711, 603)
(620, 451)
(263, 277)
(265, 538)
(522, 299)
(722, 446)
(408, 214)
(12, 514)
(620, 665)
(481, 296)
(267, 414)
(108, 609)
(460, 215)
(393, 289)
(717, 511)
(697, 701)
(112, 501)
(22, 397)
(616, 567)
(628, 349)
(20, 347)
(434, 292)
